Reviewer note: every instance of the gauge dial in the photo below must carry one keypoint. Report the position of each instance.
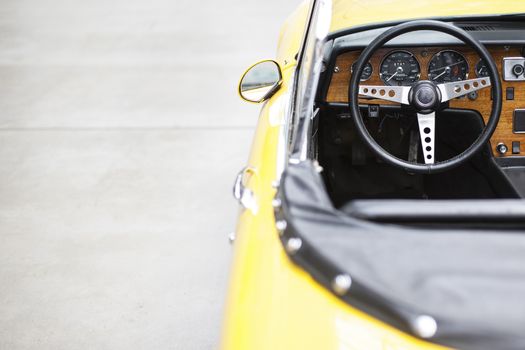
(482, 69)
(447, 66)
(367, 72)
(400, 68)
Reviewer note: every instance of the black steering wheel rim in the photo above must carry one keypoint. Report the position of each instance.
(353, 95)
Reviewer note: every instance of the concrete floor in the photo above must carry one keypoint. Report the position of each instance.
(120, 136)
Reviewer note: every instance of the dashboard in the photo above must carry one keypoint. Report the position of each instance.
(403, 66)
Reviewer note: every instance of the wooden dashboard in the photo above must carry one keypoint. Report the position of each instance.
(338, 88)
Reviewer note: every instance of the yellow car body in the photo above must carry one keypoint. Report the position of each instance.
(272, 303)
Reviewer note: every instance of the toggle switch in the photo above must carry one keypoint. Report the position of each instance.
(516, 147)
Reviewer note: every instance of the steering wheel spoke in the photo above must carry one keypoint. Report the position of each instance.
(460, 88)
(397, 94)
(427, 124)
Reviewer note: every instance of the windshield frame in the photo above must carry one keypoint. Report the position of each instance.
(306, 79)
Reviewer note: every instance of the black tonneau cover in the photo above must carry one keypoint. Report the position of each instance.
(503, 211)
(472, 282)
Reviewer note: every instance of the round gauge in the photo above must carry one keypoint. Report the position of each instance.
(367, 72)
(447, 66)
(400, 68)
(481, 69)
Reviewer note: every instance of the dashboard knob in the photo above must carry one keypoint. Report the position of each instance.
(501, 148)
(518, 69)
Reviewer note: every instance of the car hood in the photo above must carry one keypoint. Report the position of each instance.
(349, 13)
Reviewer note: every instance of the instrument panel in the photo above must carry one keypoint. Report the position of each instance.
(405, 66)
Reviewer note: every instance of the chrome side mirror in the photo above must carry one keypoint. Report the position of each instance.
(260, 81)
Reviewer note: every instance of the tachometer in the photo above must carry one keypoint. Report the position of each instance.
(447, 66)
(400, 68)
(367, 72)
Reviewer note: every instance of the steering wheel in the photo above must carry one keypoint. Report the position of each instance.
(426, 98)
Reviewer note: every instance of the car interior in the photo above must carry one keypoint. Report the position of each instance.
(354, 175)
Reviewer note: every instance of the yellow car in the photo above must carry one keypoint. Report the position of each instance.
(382, 203)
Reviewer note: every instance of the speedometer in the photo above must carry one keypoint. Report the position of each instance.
(400, 68)
(447, 66)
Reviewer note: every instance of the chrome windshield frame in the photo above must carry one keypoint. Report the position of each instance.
(293, 141)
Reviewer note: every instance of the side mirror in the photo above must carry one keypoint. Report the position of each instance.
(260, 81)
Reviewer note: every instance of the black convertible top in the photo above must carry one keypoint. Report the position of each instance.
(504, 212)
(470, 282)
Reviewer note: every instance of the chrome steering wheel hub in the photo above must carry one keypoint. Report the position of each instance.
(425, 97)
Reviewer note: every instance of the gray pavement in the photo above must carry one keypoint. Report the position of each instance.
(120, 135)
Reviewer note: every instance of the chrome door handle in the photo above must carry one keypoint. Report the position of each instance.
(238, 187)
(243, 195)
